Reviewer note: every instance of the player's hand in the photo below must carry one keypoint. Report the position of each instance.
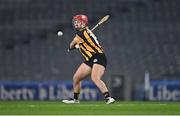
(70, 49)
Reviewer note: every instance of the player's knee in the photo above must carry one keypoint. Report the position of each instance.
(76, 78)
(95, 79)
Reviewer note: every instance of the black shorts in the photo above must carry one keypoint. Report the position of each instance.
(97, 59)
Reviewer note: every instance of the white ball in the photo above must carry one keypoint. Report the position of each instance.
(60, 33)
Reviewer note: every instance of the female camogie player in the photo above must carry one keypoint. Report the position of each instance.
(95, 59)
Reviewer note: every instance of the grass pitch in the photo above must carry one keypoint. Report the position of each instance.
(88, 108)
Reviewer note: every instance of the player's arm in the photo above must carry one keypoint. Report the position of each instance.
(73, 44)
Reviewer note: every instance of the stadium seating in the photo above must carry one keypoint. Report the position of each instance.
(142, 35)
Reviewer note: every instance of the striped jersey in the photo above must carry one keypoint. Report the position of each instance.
(88, 43)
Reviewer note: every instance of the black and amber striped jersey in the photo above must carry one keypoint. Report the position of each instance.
(88, 43)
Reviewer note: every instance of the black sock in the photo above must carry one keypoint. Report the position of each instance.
(106, 95)
(76, 96)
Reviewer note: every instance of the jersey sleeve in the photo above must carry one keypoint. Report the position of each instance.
(78, 39)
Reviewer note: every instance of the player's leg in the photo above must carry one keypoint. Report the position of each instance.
(96, 75)
(82, 72)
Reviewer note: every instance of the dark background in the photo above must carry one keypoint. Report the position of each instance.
(140, 36)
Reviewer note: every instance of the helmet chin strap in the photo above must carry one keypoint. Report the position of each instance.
(82, 28)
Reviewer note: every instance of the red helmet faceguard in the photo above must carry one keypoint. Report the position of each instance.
(79, 21)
